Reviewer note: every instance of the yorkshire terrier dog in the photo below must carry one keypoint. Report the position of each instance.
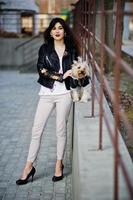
(79, 81)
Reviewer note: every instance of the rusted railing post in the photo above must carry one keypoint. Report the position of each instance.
(118, 39)
(102, 37)
(92, 20)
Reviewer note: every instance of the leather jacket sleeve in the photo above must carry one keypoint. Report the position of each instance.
(42, 69)
(51, 75)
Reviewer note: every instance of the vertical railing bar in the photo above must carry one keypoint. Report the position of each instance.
(84, 35)
(117, 98)
(84, 32)
(82, 20)
(88, 26)
(93, 52)
(102, 36)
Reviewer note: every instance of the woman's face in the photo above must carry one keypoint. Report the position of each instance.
(57, 32)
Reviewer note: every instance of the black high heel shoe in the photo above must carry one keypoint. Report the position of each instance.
(24, 181)
(58, 178)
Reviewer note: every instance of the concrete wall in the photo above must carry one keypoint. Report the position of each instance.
(93, 169)
(75, 166)
(23, 58)
(9, 57)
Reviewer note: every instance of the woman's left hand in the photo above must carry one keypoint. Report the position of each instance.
(67, 73)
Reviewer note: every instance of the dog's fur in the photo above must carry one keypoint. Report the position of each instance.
(79, 84)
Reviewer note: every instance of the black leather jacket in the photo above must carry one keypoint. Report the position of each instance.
(74, 83)
(48, 65)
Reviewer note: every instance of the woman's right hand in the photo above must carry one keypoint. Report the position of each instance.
(67, 73)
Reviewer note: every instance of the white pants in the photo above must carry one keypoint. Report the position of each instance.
(46, 104)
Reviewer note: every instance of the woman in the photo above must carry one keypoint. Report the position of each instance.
(54, 67)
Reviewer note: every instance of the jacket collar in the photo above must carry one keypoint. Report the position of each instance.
(51, 50)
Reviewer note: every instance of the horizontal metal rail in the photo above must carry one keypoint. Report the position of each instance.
(28, 41)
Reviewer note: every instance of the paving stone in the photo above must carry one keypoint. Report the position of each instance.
(18, 101)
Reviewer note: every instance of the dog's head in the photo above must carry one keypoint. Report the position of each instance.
(80, 69)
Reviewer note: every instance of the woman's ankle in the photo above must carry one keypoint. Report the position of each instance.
(28, 165)
(59, 162)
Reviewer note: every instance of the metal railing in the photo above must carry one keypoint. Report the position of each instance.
(29, 52)
(86, 14)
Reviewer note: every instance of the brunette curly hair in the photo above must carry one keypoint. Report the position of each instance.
(70, 39)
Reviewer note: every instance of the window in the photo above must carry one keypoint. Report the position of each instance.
(27, 24)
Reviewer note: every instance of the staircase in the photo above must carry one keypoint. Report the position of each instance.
(29, 52)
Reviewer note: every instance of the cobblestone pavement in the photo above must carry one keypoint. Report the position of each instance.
(18, 100)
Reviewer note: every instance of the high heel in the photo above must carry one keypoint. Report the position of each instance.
(24, 181)
(58, 178)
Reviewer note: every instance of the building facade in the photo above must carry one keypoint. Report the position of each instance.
(31, 17)
(54, 6)
(18, 16)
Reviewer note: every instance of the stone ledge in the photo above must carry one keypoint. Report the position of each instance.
(92, 170)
